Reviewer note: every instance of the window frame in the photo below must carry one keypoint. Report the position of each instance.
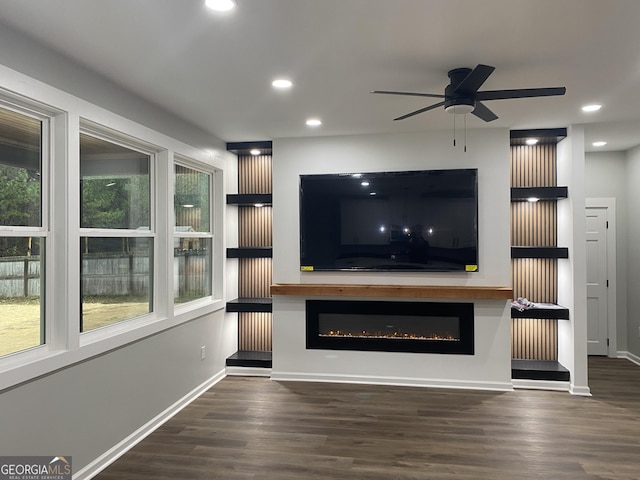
(184, 161)
(139, 146)
(45, 117)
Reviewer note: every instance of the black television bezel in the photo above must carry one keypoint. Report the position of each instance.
(470, 268)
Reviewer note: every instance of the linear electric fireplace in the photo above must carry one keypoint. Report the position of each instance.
(421, 327)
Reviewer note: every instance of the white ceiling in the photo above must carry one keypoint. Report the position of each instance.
(215, 70)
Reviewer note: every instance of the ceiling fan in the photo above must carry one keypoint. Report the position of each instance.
(462, 96)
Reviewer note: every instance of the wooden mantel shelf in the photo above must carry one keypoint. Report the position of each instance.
(399, 291)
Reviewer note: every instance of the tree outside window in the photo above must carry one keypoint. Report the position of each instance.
(22, 237)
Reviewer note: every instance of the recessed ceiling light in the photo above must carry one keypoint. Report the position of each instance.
(531, 141)
(532, 199)
(282, 83)
(591, 108)
(599, 144)
(314, 122)
(255, 151)
(365, 184)
(258, 205)
(220, 5)
(188, 205)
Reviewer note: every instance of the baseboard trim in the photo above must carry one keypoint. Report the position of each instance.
(580, 391)
(248, 371)
(525, 384)
(394, 381)
(629, 356)
(115, 452)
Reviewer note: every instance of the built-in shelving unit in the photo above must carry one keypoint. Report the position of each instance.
(550, 311)
(246, 304)
(250, 359)
(249, 199)
(250, 252)
(254, 252)
(549, 370)
(535, 254)
(539, 252)
(526, 194)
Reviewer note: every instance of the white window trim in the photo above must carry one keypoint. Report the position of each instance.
(215, 215)
(122, 326)
(44, 115)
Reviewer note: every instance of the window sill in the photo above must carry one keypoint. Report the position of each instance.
(27, 365)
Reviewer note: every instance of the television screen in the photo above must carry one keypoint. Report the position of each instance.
(390, 221)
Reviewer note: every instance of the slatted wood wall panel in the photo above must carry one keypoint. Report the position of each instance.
(535, 279)
(534, 224)
(254, 277)
(533, 166)
(254, 226)
(534, 339)
(254, 174)
(254, 230)
(254, 332)
(191, 181)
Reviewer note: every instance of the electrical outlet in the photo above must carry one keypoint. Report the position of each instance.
(203, 352)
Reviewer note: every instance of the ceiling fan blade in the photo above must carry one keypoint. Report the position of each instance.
(520, 93)
(482, 112)
(425, 109)
(475, 79)
(412, 94)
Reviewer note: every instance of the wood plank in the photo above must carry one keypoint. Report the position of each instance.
(393, 291)
(255, 428)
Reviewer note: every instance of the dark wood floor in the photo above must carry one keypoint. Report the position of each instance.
(255, 428)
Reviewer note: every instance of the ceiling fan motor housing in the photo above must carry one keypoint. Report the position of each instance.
(458, 102)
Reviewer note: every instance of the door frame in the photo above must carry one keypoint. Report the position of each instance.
(609, 204)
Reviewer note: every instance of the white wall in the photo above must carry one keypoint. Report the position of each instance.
(606, 177)
(488, 150)
(88, 408)
(633, 254)
(616, 175)
(31, 58)
(572, 276)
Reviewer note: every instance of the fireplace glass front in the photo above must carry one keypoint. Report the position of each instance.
(423, 327)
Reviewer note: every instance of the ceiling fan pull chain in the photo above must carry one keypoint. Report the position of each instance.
(465, 133)
(454, 129)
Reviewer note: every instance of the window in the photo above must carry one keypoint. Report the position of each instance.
(22, 230)
(93, 256)
(116, 246)
(193, 244)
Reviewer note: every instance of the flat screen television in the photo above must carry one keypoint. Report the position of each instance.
(390, 221)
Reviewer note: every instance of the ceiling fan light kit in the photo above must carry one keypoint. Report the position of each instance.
(461, 96)
(461, 109)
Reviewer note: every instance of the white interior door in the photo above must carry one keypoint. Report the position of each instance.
(597, 309)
